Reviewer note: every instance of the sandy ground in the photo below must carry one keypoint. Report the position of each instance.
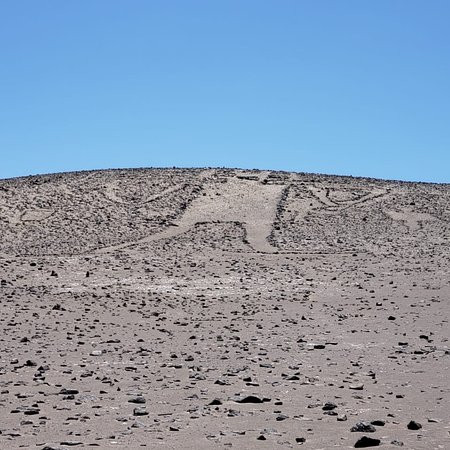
(200, 309)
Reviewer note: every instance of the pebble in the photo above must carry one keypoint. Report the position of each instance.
(140, 411)
(413, 425)
(281, 417)
(329, 406)
(365, 442)
(378, 423)
(251, 399)
(363, 427)
(138, 400)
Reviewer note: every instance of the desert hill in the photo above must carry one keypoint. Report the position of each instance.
(83, 212)
(217, 308)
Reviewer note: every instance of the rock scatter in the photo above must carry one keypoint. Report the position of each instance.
(218, 308)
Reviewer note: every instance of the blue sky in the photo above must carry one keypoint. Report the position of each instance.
(343, 87)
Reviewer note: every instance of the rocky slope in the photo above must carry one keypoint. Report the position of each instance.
(217, 308)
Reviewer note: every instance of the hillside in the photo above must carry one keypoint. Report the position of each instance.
(209, 308)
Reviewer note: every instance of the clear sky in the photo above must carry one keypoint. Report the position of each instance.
(343, 87)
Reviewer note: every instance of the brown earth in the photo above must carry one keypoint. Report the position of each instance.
(218, 308)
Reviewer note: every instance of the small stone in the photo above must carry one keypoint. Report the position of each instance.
(141, 411)
(363, 427)
(329, 406)
(138, 400)
(341, 418)
(397, 443)
(293, 378)
(378, 423)
(413, 425)
(68, 391)
(281, 417)
(357, 386)
(26, 422)
(251, 399)
(261, 437)
(365, 442)
(96, 353)
(300, 440)
(215, 402)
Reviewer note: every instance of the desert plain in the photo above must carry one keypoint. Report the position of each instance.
(223, 308)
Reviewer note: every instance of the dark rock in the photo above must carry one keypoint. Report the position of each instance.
(378, 423)
(329, 406)
(137, 400)
(281, 417)
(413, 425)
(68, 391)
(365, 442)
(140, 412)
(251, 399)
(363, 427)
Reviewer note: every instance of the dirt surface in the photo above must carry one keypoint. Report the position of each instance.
(200, 309)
